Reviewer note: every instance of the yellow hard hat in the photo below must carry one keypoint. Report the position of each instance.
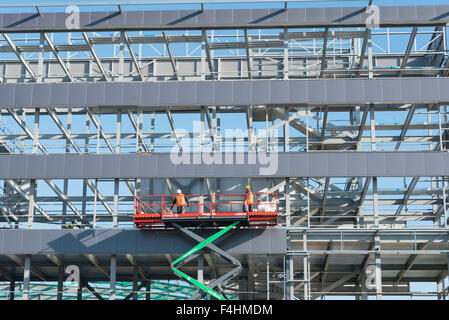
(247, 187)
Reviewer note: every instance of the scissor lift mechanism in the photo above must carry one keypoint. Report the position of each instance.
(151, 212)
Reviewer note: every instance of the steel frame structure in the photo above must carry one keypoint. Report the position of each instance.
(340, 228)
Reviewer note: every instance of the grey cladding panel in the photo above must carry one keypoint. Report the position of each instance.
(77, 94)
(168, 94)
(59, 94)
(317, 91)
(55, 165)
(8, 95)
(132, 93)
(96, 93)
(113, 94)
(150, 94)
(198, 93)
(293, 164)
(119, 241)
(4, 163)
(17, 167)
(23, 95)
(279, 91)
(41, 95)
(191, 19)
(91, 166)
(226, 93)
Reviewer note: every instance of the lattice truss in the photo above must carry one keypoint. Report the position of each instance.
(221, 55)
(235, 54)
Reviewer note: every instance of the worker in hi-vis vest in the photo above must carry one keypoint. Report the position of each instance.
(180, 201)
(249, 200)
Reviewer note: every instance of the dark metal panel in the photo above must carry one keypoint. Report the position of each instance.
(224, 17)
(185, 92)
(355, 90)
(37, 165)
(226, 93)
(339, 163)
(41, 95)
(12, 241)
(378, 163)
(317, 91)
(430, 167)
(4, 163)
(91, 166)
(205, 93)
(298, 90)
(373, 90)
(96, 93)
(397, 168)
(134, 17)
(292, 164)
(243, 90)
(430, 88)
(191, 19)
(430, 12)
(125, 241)
(151, 18)
(198, 93)
(59, 20)
(317, 160)
(150, 168)
(416, 161)
(114, 94)
(132, 93)
(150, 94)
(77, 94)
(261, 92)
(392, 14)
(393, 90)
(336, 91)
(112, 163)
(411, 89)
(75, 164)
(444, 92)
(54, 165)
(8, 95)
(23, 95)
(168, 94)
(333, 14)
(280, 91)
(59, 94)
(126, 170)
(17, 167)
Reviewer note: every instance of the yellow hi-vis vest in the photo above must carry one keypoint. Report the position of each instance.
(180, 200)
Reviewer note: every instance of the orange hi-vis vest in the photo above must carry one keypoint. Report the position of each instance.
(249, 198)
(180, 200)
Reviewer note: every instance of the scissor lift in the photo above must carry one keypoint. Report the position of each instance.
(219, 210)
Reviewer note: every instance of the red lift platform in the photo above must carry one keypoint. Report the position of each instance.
(153, 212)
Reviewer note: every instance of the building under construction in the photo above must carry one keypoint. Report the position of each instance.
(335, 117)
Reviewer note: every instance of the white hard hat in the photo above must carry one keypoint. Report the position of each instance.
(179, 191)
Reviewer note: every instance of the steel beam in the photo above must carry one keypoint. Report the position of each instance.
(288, 93)
(19, 55)
(58, 56)
(133, 56)
(170, 53)
(95, 56)
(408, 50)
